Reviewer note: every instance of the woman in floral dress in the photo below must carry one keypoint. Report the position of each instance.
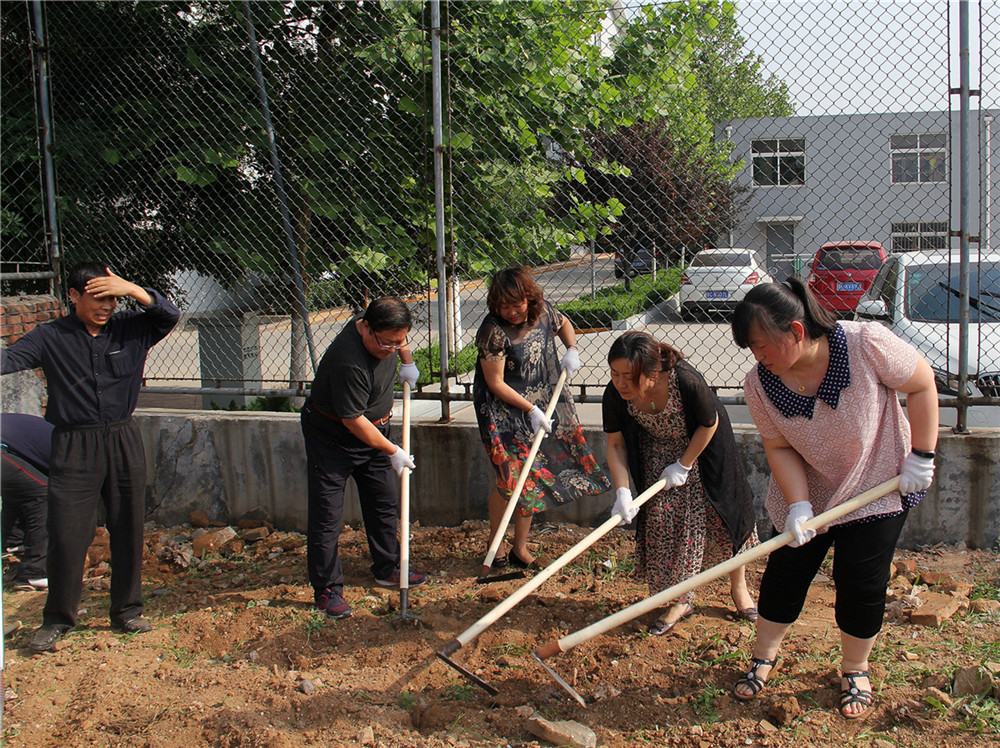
(663, 421)
(516, 372)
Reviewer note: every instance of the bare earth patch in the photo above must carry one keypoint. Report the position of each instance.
(239, 657)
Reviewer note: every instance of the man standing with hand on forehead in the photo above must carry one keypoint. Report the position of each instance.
(93, 361)
(345, 423)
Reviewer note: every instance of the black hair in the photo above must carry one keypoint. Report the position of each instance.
(512, 286)
(772, 307)
(82, 272)
(388, 313)
(644, 353)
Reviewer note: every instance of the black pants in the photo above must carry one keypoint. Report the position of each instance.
(25, 491)
(90, 464)
(861, 564)
(334, 454)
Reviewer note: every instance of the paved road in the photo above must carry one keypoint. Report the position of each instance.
(709, 347)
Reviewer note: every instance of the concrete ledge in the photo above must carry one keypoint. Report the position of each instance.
(237, 464)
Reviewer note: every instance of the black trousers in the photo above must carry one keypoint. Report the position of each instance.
(25, 491)
(90, 464)
(334, 454)
(861, 563)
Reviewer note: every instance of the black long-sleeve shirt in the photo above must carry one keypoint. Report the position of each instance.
(93, 378)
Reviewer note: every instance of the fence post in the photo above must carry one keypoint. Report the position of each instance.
(51, 219)
(963, 217)
(443, 322)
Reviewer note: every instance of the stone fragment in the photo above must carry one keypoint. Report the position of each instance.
(985, 605)
(367, 736)
(606, 691)
(784, 711)
(766, 726)
(562, 732)
(937, 609)
(935, 577)
(306, 686)
(971, 681)
(198, 518)
(932, 694)
(956, 588)
(524, 711)
(905, 566)
(253, 534)
(213, 541)
(98, 554)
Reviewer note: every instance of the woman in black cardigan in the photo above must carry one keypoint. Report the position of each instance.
(663, 421)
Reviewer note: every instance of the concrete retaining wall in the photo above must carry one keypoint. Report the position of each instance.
(233, 465)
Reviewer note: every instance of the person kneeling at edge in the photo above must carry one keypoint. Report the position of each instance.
(93, 361)
(345, 424)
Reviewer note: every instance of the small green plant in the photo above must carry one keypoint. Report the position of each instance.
(981, 715)
(315, 623)
(506, 649)
(704, 704)
(619, 302)
(406, 700)
(460, 691)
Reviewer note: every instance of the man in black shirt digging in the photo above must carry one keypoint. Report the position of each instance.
(345, 424)
(93, 362)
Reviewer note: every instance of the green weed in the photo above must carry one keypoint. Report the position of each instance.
(460, 691)
(981, 715)
(406, 700)
(704, 704)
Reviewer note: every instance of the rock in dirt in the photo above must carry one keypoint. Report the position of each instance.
(367, 736)
(971, 681)
(784, 711)
(984, 605)
(937, 609)
(253, 534)
(936, 694)
(198, 518)
(306, 686)
(212, 542)
(562, 732)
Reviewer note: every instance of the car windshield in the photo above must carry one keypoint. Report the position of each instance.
(932, 292)
(850, 258)
(721, 259)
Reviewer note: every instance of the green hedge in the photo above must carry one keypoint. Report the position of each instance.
(461, 362)
(615, 302)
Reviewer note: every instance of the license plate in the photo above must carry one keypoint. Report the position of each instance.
(717, 294)
(848, 286)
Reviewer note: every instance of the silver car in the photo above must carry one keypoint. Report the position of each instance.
(717, 280)
(916, 294)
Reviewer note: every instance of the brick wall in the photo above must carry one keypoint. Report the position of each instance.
(19, 314)
(24, 392)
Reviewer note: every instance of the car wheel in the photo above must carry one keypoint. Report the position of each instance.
(632, 272)
(688, 315)
(618, 271)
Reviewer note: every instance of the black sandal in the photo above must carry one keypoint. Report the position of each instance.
(853, 695)
(753, 681)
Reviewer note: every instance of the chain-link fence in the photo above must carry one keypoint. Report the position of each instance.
(604, 144)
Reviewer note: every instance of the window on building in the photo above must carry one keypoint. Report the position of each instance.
(919, 157)
(914, 236)
(779, 161)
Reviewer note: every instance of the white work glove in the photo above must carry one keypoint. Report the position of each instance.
(916, 474)
(623, 497)
(539, 421)
(570, 362)
(798, 513)
(675, 474)
(400, 460)
(409, 373)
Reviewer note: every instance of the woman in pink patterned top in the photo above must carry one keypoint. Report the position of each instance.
(823, 397)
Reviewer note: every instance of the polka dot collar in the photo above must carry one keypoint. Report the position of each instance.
(837, 378)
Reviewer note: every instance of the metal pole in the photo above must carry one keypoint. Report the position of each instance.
(443, 322)
(44, 106)
(300, 293)
(987, 242)
(963, 215)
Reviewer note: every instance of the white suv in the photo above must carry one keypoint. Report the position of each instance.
(916, 295)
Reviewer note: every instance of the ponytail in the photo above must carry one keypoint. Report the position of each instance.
(772, 307)
(644, 353)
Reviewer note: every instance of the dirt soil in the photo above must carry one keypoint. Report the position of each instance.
(239, 657)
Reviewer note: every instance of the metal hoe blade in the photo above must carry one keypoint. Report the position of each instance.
(487, 579)
(404, 616)
(559, 679)
(468, 674)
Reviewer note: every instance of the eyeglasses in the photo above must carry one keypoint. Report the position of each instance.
(383, 346)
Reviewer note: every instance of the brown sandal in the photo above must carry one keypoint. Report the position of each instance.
(753, 681)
